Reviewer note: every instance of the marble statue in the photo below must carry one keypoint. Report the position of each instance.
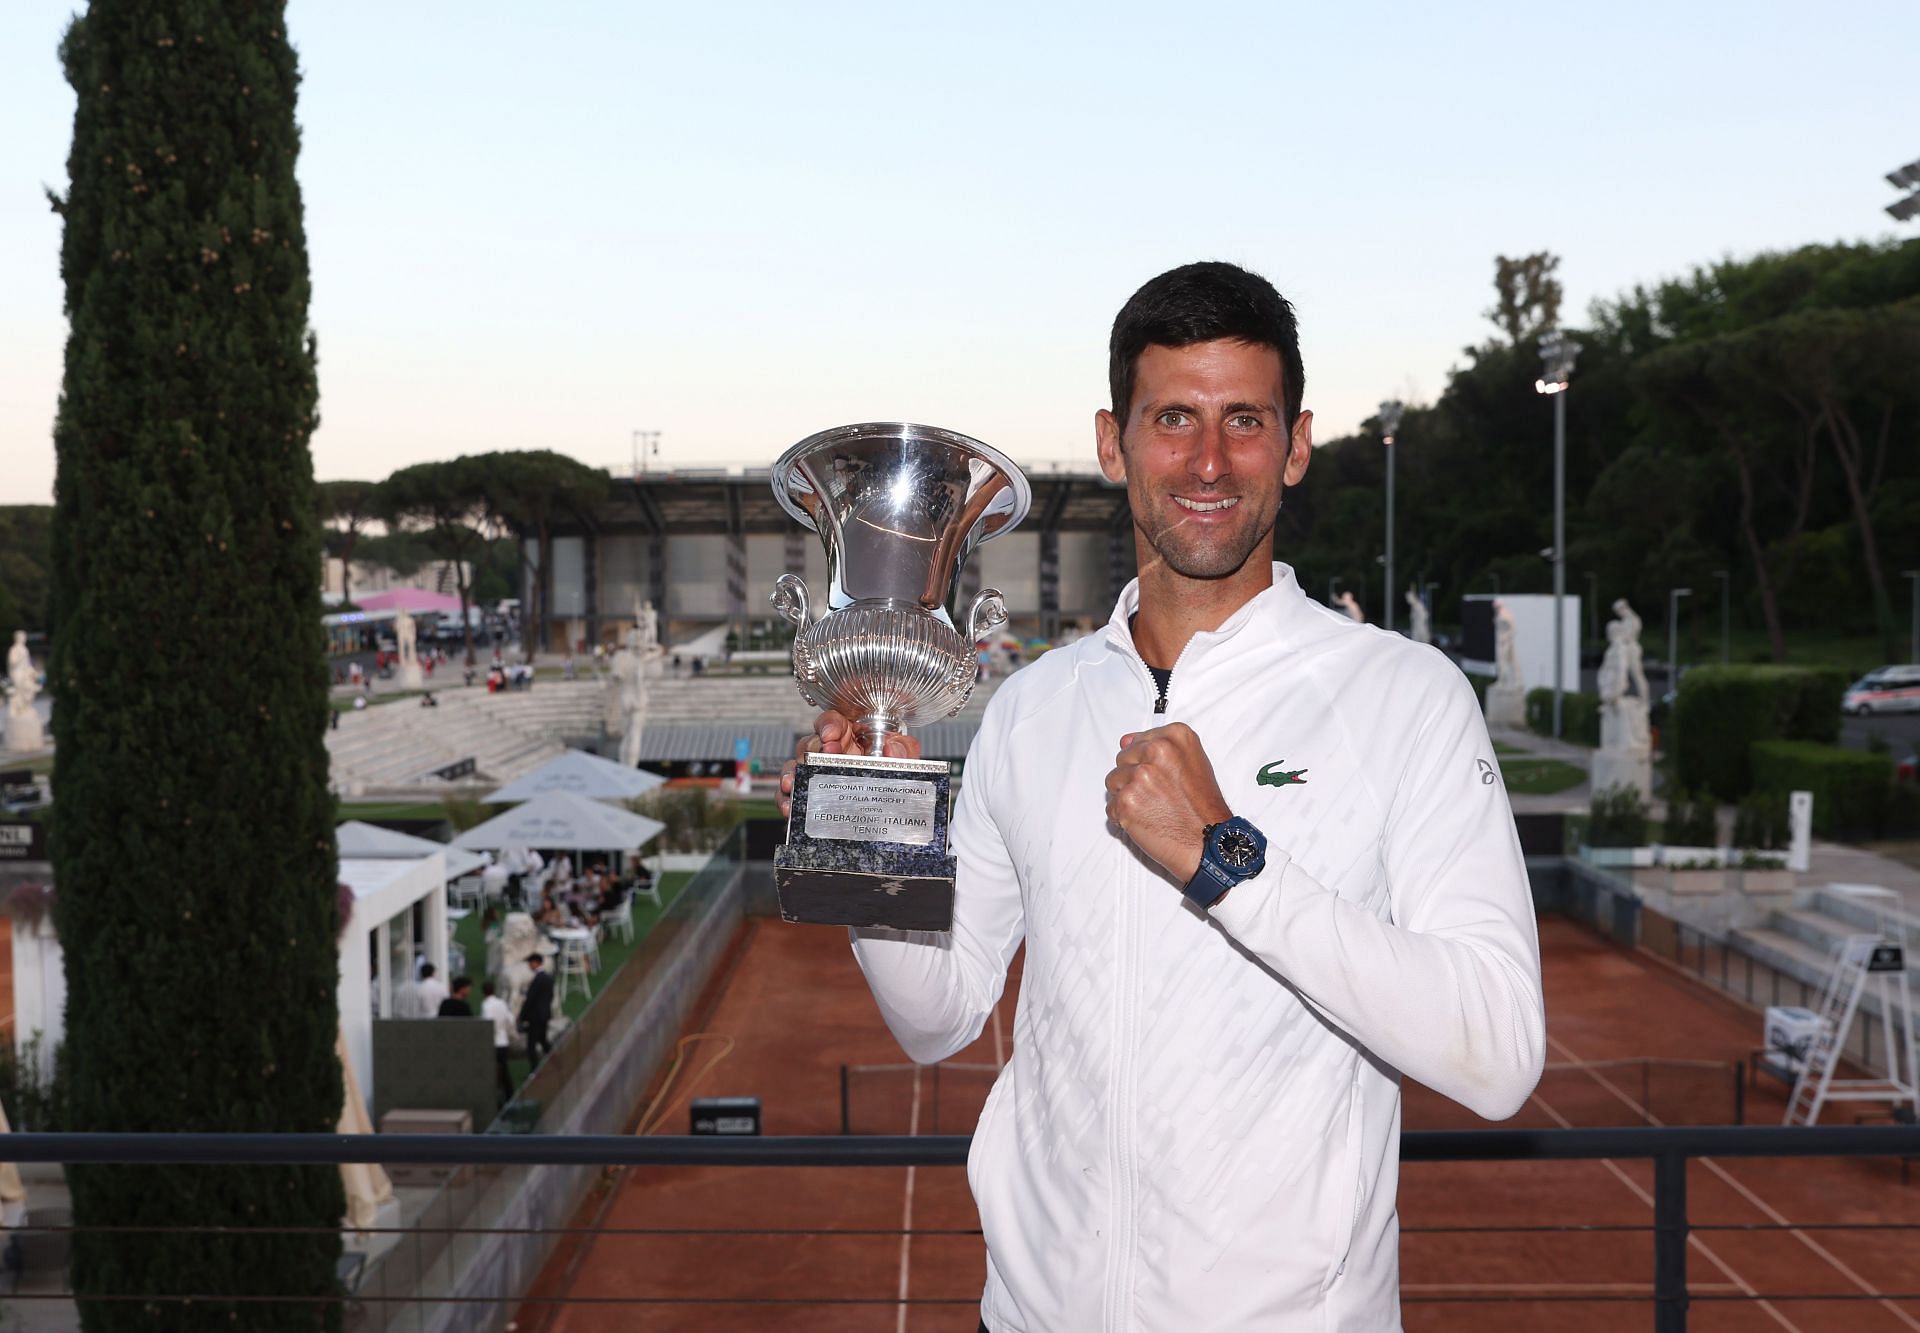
(1419, 620)
(24, 730)
(1507, 696)
(406, 634)
(1351, 607)
(634, 664)
(1625, 756)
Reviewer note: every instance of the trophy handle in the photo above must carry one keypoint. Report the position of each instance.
(790, 600)
(989, 613)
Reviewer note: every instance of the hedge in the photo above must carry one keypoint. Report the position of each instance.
(1851, 789)
(1724, 710)
(1579, 715)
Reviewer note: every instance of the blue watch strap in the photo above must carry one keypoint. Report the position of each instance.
(1209, 883)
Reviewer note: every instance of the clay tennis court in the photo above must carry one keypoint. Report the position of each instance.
(796, 1009)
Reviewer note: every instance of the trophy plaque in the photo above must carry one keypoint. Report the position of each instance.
(899, 509)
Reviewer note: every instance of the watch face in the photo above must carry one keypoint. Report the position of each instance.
(1237, 848)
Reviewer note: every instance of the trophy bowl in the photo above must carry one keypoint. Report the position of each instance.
(899, 508)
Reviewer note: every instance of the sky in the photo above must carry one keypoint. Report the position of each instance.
(550, 226)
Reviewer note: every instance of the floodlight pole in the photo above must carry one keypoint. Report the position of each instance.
(1726, 600)
(1390, 414)
(1557, 352)
(1912, 576)
(1673, 639)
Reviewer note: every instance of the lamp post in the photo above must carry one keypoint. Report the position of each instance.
(1557, 353)
(1726, 619)
(1391, 412)
(1912, 576)
(1673, 639)
(646, 443)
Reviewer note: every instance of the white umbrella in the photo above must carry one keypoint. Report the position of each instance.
(582, 774)
(361, 841)
(566, 822)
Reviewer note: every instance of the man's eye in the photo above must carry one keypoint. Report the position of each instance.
(1172, 420)
(1246, 421)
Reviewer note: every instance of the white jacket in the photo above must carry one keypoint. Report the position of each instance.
(1200, 1124)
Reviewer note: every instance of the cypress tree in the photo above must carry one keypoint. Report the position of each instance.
(193, 849)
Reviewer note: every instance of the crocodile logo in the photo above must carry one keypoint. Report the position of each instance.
(1271, 775)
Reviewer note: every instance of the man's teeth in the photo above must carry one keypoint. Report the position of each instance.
(1206, 506)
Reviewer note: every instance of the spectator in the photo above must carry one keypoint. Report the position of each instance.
(536, 1010)
(432, 990)
(495, 1009)
(455, 1005)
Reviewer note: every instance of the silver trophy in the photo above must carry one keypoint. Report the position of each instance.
(899, 509)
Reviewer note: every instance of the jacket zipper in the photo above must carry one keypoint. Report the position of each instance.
(1126, 1186)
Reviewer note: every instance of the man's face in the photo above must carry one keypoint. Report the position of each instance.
(1205, 454)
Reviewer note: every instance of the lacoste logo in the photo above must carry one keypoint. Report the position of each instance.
(1487, 775)
(1270, 775)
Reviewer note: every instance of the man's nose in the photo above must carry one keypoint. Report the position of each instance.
(1209, 462)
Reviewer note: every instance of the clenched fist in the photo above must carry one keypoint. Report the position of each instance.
(833, 734)
(1162, 794)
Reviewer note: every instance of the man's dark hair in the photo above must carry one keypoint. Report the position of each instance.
(535, 959)
(461, 983)
(1199, 303)
(426, 970)
(486, 988)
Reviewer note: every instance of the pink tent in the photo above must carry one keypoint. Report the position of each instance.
(417, 601)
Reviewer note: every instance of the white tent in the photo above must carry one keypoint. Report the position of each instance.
(582, 774)
(566, 822)
(378, 945)
(361, 841)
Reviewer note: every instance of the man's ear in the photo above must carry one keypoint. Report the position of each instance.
(1299, 448)
(1113, 457)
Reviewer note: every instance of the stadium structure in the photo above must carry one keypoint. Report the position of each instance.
(705, 546)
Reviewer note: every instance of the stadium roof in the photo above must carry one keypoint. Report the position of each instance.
(722, 501)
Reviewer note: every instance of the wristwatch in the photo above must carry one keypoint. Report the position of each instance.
(1234, 850)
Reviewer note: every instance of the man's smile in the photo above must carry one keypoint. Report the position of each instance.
(1206, 506)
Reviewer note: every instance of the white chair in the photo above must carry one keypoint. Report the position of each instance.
(465, 892)
(620, 920)
(575, 952)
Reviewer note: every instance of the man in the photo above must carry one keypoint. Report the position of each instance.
(536, 1009)
(456, 1005)
(1260, 873)
(432, 991)
(495, 1010)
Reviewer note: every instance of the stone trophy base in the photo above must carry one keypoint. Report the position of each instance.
(867, 844)
(1507, 707)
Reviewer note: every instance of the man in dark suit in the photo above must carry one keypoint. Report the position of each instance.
(536, 1010)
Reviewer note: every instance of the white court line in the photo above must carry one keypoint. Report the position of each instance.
(1746, 1288)
(906, 1218)
(1773, 1214)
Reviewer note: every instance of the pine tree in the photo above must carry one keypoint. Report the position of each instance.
(193, 849)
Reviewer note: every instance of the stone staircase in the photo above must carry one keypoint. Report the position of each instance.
(397, 746)
(1801, 942)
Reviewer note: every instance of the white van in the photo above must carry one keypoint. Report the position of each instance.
(1891, 689)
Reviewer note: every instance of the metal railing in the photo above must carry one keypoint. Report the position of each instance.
(1669, 1150)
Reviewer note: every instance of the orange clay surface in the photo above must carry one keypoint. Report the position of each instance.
(797, 1009)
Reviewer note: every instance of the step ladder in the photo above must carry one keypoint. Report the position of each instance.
(1873, 961)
